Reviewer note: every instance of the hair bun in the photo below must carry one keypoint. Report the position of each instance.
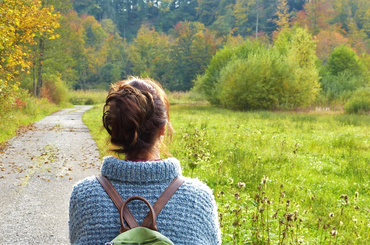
(149, 109)
(143, 99)
(133, 114)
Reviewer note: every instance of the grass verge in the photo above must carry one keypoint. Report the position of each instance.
(27, 111)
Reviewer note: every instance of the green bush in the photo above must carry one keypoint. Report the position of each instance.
(303, 85)
(254, 76)
(55, 90)
(359, 103)
(334, 85)
(7, 98)
(208, 82)
(344, 59)
(343, 73)
(253, 83)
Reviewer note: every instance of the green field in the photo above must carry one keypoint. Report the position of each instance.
(278, 177)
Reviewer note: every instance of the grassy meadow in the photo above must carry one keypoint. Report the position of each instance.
(278, 177)
(26, 110)
(87, 97)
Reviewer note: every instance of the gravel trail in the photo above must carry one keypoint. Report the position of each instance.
(38, 169)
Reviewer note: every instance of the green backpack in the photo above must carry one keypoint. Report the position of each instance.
(147, 233)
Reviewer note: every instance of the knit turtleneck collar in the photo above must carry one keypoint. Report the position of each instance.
(148, 171)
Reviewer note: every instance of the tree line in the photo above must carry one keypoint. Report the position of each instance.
(93, 43)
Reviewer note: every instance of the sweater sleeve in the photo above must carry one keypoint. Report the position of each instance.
(74, 216)
(80, 223)
(211, 228)
(205, 218)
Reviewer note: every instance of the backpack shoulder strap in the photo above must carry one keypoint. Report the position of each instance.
(163, 199)
(117, 200)
(157, 207)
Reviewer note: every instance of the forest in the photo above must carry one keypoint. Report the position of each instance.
(209, 46)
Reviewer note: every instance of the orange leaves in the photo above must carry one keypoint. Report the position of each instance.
(327, 41)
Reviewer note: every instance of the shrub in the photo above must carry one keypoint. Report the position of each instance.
(55, 90)
(359, 103)
(7, 97)
(253, 83)
(344, 59)
(303, 83)
(208, 82)
(254, 76)
(343, 74)
(335, 86)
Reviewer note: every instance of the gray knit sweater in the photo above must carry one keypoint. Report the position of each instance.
(189, 217)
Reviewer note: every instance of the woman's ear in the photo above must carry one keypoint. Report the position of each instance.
(162, 130)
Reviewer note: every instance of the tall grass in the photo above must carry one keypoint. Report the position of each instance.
(87, 97)
(93, 120)
(189, 97)
(278, 177)
(26, 110)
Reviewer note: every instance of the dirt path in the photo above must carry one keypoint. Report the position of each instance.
(37, 172)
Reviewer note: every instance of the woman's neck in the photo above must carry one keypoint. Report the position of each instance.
(144, 156)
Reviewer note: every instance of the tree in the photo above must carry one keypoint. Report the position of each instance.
(73, 40)
(209, 82)
(241, 10)
(40, 51)
(344, 59)
(206, 11)
(303, 83)
(191, 50)
(362, 15)
(282, 20)
(20, 21)
(343, 10)
(60, 55)
(224, 25)
(343, 72)
(149, 53)
(26, 19)
(319, 14)
(327, 41)
(357, 37)
(253, 82)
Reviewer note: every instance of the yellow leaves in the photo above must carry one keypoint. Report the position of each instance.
(54, 36)
(283, 15)
(20, 22)
(241, 10)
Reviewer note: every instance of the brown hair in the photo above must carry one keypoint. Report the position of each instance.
(133, 113)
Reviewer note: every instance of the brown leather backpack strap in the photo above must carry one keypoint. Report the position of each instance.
(117, 200)
(163, 199)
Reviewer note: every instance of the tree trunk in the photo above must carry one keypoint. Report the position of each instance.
(39, 71)
(34, 71)
(257, 27)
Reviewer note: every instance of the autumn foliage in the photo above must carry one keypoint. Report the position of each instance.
(101, 42)
(20, 21)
